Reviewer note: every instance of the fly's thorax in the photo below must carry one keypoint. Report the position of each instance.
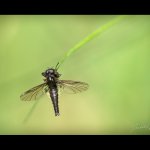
(52, 83)
(51, 74)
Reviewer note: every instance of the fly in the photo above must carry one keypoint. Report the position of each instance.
(51, 85)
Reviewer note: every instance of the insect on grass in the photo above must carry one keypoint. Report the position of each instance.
(51, 85)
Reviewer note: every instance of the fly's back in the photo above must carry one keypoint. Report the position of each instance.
(51, 74)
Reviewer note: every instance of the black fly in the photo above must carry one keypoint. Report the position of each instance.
(51, 85)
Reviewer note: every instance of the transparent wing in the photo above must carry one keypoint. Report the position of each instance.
(34, 93)
(72, 86)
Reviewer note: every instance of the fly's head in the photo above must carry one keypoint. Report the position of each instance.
(51, 73)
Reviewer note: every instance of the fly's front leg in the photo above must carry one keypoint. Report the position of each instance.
(45, 80)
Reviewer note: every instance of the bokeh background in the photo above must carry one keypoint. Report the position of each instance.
(116, 65)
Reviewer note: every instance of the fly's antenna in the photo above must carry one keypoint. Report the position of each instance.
(57, 66)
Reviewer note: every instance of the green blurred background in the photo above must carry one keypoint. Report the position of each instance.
(116, 65)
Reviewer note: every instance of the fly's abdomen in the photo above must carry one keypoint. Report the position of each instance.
(54, 98)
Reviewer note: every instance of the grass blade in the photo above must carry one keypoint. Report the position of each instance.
(30, 112)
(93, 35)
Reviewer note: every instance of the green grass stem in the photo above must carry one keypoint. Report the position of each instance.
(91, 36)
